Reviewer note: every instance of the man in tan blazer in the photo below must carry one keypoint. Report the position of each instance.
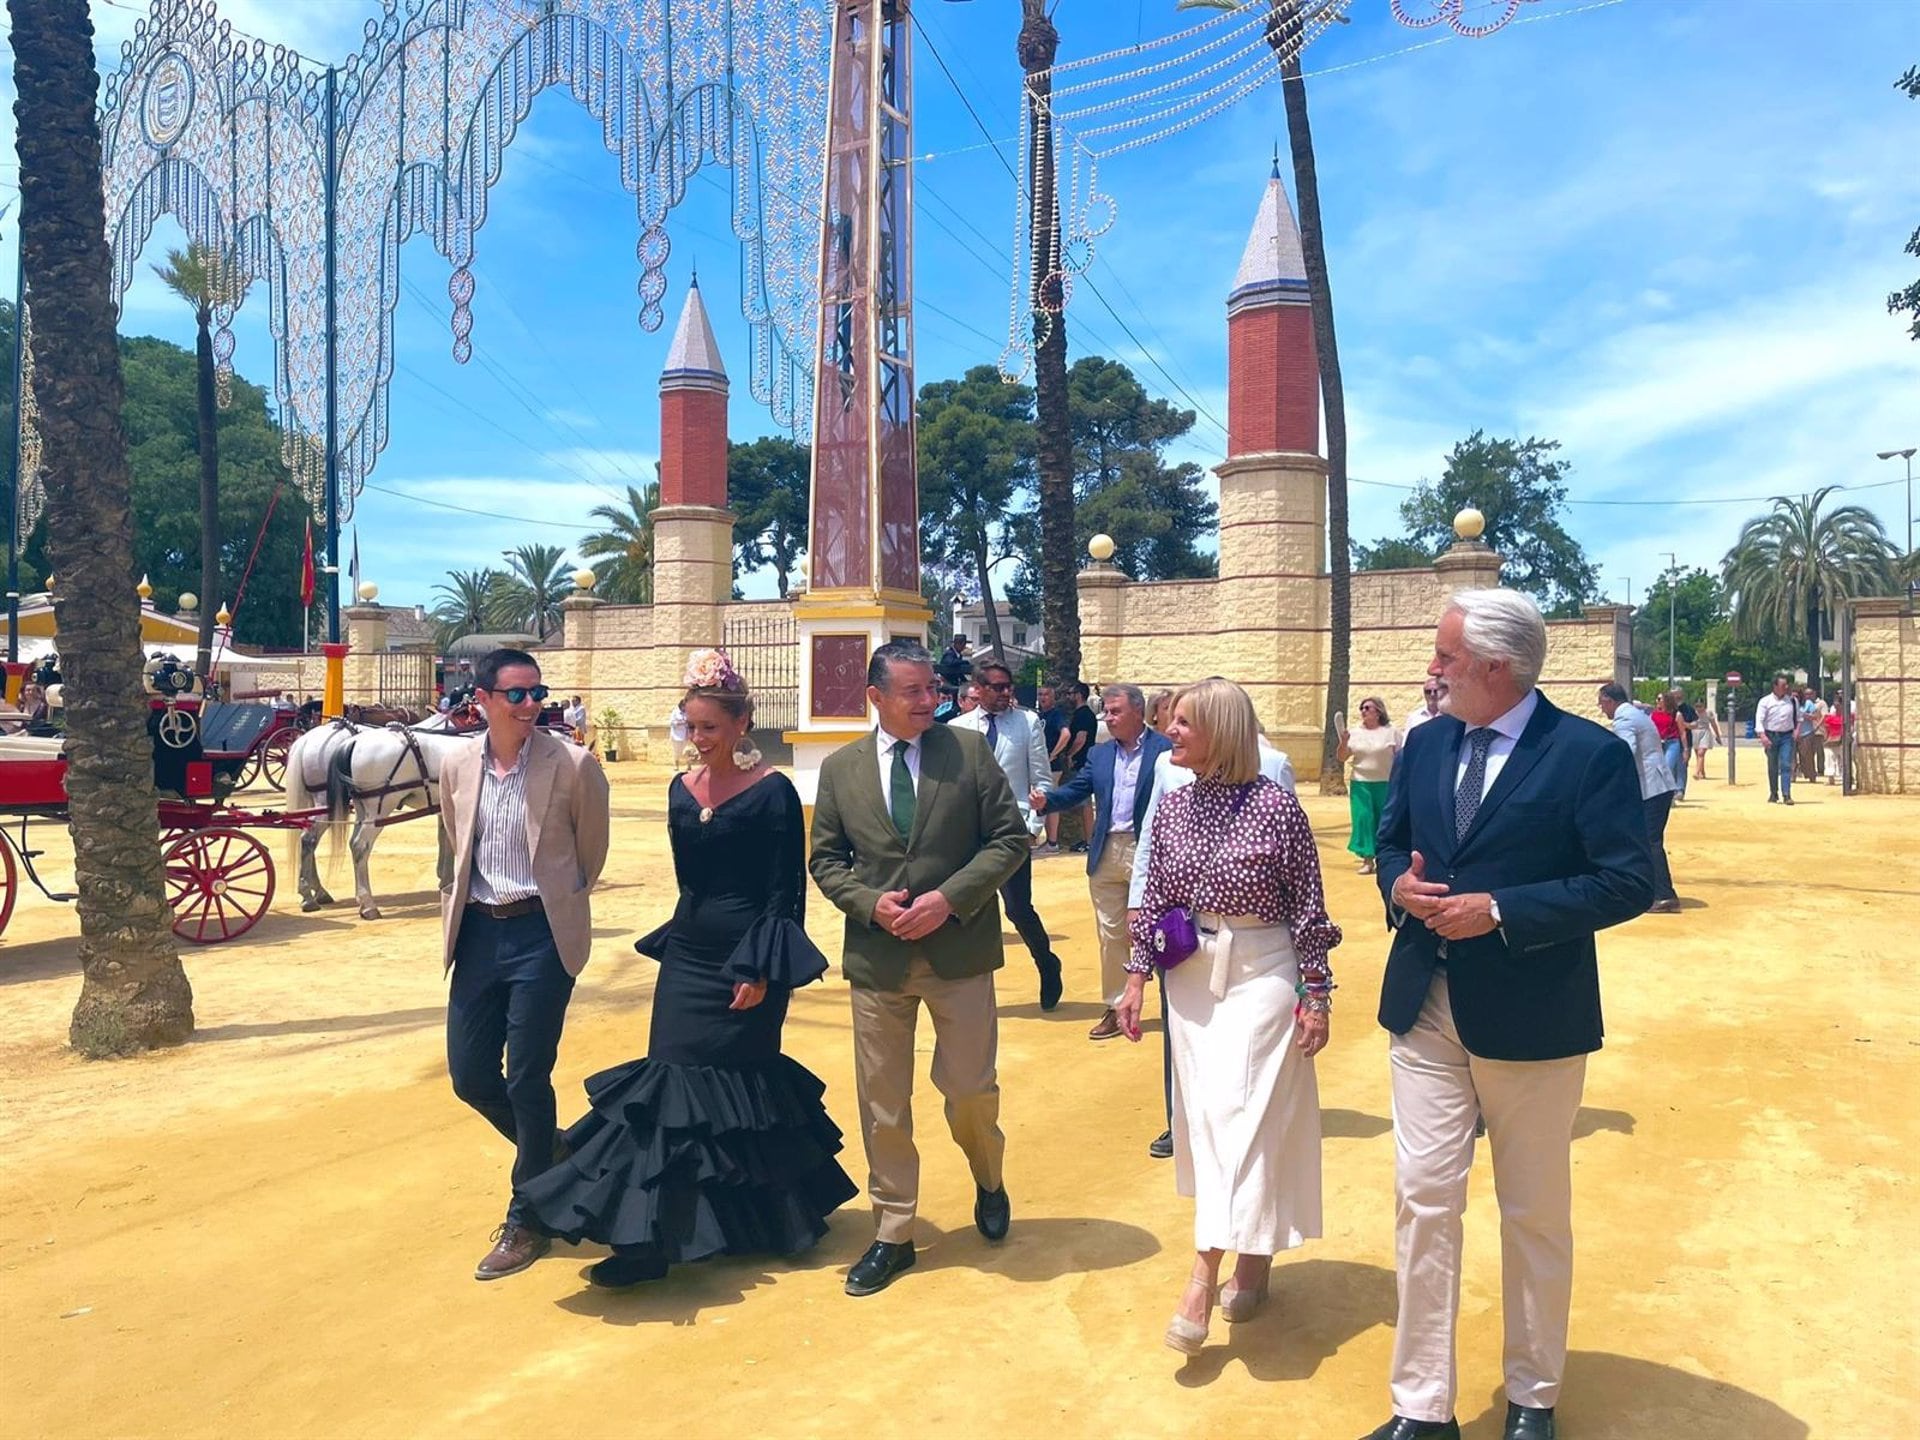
(914, 832)
(526, 817)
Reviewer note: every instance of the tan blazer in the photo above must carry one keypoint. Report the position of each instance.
(567, 819)
(967, 840)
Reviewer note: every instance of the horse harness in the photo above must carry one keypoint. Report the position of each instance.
(394, 786)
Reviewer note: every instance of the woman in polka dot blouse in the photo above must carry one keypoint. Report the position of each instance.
(1246, 1013)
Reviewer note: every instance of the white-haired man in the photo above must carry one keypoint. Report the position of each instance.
(1512, 833)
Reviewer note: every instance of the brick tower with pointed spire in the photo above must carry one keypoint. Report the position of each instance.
(1273, 483)
(692, 529)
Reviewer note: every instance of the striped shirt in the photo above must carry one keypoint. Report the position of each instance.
(502, 859)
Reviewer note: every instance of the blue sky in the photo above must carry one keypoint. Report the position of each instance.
(1659, 231)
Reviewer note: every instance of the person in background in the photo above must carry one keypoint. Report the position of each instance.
(1015, 737)
(1832, 726)
(969, 700)
(1666, 724)
(1371, 748)
(1054, 715)
(1084, 731)
(1429, 708)
(1118, 778)
(1248, 1010)
(1706, 735)
(954, 667)
(1686, 717)
(1810, 735)
(1657, 787)
(1775, 719)
(1160, 711)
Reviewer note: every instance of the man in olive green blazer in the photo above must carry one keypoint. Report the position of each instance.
(914, 833)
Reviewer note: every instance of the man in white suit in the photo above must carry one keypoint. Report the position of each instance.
(1018, 741)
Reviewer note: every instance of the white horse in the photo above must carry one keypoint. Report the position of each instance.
(372, 773)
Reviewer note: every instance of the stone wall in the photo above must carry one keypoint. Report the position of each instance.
(1886, 679)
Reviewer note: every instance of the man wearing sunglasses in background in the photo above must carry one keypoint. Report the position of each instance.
(526, 815)
(1018, 740)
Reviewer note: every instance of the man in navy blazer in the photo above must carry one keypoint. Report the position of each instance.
(1512, 833)
(1118, 778)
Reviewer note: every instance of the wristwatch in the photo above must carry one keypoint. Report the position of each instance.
(1493, 910)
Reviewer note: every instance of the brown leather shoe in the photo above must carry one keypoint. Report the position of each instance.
(1107, 1029)
(515, 1247)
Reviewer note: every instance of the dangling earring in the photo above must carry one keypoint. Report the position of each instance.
(746, 754)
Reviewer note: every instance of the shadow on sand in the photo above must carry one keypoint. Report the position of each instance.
(1627, 1399)
(1315, 1307)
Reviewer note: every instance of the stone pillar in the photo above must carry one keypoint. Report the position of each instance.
(1469, 563)
(366, 642)
(1104, 588)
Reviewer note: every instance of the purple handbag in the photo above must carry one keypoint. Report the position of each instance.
(1174, 938)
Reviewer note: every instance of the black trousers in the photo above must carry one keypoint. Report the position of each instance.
(1659, 808)
(509, 1001)
(1017, 896)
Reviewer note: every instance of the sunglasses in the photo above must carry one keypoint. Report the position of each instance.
(998, 684)
(517, 694)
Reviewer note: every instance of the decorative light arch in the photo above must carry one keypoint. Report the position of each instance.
(311, 178)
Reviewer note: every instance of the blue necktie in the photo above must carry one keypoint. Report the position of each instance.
(1466, 800)
(993, 733)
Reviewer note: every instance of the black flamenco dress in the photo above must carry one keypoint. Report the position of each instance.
(715, 1143)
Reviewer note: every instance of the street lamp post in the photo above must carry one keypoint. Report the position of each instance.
(1673, 565)
(1906, 455)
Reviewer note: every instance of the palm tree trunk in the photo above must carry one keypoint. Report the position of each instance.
(1059, 571)
(133, 992)
(1286, 24)
(211, 595)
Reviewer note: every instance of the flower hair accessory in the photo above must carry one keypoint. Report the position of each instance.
(712, 670)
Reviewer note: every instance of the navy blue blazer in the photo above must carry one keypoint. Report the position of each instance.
(1559, 841)
(1095, 779)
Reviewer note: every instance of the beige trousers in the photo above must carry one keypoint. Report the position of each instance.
(966, 1038)
(1109, 884)
(1529, 1105)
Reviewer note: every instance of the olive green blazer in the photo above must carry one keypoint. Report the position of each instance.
(967, 840)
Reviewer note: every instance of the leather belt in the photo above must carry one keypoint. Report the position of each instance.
(512, 910)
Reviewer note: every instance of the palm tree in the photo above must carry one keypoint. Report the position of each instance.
(527, 597)
(1284, 29)
(199, 276)
(622, 554)
(1059, 566)
(133, 993)
(1790, 569)
(468, 600)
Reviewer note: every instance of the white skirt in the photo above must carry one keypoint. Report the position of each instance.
(1246, 1104)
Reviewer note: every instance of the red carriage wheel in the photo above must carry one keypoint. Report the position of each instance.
(9, 883)
(273, 754)
(219, 882)
(248, 772)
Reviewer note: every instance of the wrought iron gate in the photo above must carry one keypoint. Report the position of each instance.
(765, 650)
(403, 677)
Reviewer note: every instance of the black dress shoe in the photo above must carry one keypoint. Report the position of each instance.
(618, 1271)
(1052, 987)
(1161, 1147)
(874, 1271)
(1401, 1428)
(1528, 1422)
(992, 1212)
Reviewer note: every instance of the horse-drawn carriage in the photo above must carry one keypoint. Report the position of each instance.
(219, 874)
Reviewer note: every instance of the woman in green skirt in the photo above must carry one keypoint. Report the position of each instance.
(1370, 748)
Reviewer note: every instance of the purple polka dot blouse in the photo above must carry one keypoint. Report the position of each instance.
(1258, 860)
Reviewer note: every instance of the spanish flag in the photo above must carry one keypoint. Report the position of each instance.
(306, 571)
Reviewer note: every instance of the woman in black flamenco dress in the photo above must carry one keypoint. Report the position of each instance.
(715, 1143)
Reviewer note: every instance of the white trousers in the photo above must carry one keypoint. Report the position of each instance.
(1529, 1105)
(1246, 1103)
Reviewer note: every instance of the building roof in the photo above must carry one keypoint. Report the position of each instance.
(409, 628)
(1272, 269)
(693, 360)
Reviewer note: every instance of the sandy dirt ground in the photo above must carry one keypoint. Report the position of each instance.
(271, 1232)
